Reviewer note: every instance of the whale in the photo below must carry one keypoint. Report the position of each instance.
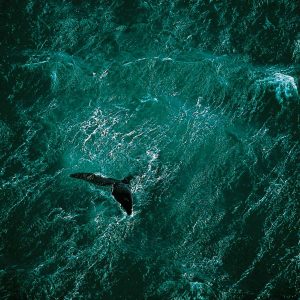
(120, 188)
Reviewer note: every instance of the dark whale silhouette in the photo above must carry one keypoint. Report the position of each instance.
(120, 188)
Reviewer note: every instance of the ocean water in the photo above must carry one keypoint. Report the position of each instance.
(198, 100)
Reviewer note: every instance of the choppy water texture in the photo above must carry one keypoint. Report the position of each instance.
(199, 100)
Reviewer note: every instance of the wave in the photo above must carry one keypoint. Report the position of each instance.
(211, 136)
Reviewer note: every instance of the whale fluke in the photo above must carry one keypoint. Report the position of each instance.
(122, 194)
(120, 188)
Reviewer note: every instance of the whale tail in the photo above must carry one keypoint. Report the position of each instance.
(120, 188)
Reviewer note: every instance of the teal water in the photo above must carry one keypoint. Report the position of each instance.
(198, 100)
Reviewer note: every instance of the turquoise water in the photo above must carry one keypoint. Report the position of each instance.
(202, 110)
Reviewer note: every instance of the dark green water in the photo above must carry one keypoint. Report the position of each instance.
(199, 100)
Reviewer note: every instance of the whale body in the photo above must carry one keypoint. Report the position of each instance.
(120, 188)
